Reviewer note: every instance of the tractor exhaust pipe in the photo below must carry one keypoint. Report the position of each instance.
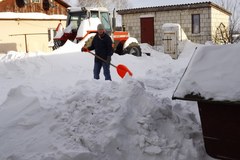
(114, 20)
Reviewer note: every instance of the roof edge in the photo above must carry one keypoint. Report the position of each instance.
(197, 98)
(173, 7)
(63, 3)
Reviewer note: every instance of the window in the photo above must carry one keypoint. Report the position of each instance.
(94, 14)
(51, 33)
(35, 1)
(106, 21)
(196, 23)
(76, 18)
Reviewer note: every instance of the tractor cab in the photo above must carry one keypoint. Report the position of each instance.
(76, 16)
(75, 30)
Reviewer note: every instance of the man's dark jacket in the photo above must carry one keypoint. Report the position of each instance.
(102, 46)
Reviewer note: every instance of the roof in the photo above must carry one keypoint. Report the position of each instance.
(213, 74)
(11, 6)
(62, 3)
(76, 9)
(13, 1)
(173, 7)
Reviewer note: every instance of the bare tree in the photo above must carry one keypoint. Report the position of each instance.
(110, 4)
(88, 3)
(234, 7)
(221, 35)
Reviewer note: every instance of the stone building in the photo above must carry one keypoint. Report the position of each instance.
(199, 21)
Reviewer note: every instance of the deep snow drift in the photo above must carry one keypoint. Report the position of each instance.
(52, 109)
(211, 78)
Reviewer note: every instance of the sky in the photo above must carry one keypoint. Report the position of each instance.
(51, 108)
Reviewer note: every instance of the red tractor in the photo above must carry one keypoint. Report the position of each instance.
(81, 26)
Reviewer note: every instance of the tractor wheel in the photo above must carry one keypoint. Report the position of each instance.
(57, 44)
(133, 49)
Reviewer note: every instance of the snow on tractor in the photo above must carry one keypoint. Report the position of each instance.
(81, 26)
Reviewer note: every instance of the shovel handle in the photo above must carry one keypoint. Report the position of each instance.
(102, 59)
(121, 69)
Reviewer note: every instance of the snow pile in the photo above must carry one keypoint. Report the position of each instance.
(14, 15)
(52, 109)
(211, 78)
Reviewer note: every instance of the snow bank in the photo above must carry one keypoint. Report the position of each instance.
(211, 78)
(52, 109)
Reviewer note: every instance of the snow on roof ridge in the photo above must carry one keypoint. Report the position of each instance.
(121, 11)
(170, 5)
(29, 15)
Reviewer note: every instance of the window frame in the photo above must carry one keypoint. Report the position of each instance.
(196, 24)
(35, 1)
(106, 21)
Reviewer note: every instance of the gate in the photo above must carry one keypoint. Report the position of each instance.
(170, 44)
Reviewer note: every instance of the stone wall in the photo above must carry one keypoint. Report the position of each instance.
(210, 18)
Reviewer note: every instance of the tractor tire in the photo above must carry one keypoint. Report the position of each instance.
(133, 49)
(57, 44)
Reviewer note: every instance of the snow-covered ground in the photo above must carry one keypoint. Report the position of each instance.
(52, 109)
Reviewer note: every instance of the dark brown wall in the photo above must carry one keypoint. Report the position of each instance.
(60, 7)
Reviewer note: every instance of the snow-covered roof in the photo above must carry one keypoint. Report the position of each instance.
(13, 15)
(173, 7)
(171, 26)
(212, 74)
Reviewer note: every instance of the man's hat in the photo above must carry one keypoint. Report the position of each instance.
(100, 27)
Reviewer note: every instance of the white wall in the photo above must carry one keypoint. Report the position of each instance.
(35, 43)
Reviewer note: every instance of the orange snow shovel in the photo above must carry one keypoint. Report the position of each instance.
(121, 69)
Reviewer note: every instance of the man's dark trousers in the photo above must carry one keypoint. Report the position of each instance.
(97, 69)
